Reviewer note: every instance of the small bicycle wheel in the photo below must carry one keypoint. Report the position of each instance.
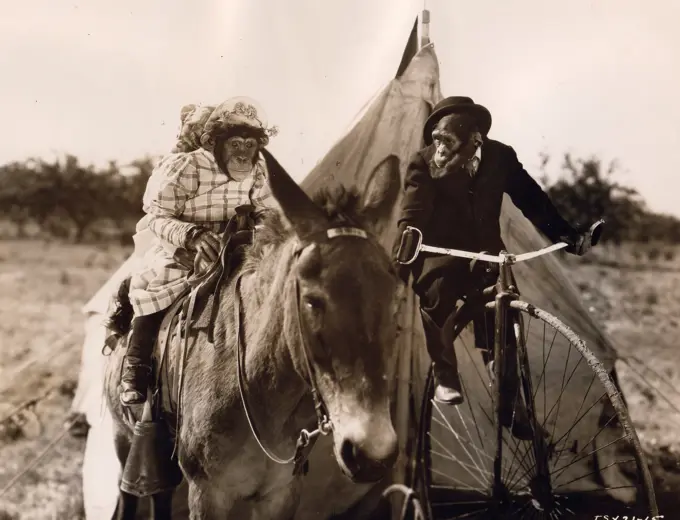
(590, 461)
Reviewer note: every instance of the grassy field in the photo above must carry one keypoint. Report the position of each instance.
(633, 292)
(42, 289)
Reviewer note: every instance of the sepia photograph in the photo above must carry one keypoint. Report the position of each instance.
(339, 260)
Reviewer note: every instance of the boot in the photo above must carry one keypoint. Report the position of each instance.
(137, 364)
(447, 385)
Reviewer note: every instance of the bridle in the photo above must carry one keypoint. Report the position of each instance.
(324, 426)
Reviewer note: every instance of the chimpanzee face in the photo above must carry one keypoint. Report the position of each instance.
(240, 153)
(456, 140)
(447, 140)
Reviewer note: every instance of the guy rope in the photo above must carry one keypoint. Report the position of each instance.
(53, 442)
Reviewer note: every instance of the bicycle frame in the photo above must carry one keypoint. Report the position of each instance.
(505, 291)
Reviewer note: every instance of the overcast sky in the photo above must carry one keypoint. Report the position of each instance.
(105, 80)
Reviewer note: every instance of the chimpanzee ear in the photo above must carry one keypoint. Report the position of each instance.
(382, 190)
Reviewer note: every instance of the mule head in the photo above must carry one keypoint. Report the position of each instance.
(340, 327)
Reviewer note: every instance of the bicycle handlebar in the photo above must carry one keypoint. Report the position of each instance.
(412, 244)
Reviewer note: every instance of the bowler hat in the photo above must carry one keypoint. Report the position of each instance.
(457, 105)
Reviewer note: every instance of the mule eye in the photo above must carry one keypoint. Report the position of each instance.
(313, 303)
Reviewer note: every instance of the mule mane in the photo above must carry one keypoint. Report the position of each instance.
(341, 205)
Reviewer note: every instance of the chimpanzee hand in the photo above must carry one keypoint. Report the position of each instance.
(207, 244)
(577, 245)
(585, 240)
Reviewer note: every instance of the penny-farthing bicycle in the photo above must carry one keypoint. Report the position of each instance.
(587, 451)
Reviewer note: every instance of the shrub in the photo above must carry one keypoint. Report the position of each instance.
(653, 253)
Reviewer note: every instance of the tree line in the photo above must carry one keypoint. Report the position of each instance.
(586, 190)
(68, 200)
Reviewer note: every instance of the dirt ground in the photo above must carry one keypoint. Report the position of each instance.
(633, 292)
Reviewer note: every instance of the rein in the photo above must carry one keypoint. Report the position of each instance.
(306, 439)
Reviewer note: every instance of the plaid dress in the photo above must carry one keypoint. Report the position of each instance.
(186, 190)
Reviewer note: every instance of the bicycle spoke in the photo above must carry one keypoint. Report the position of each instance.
(469, 467)
(594, 472)
(513, 485)
(558, 475)
(573, 459)
(454, 479)
(519, 338)
(521, 466)
(528, 454)
(450, 456)
(559, 397)
(545, 380)
(591, 453)
(568, 433)
(472, 413)
(582, 416)
(467, 515)
(545, 363)
(448, 424)
(460, 415)
(559, 400)
(522, 508)
(461, 503)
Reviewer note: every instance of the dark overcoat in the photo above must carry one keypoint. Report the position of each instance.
(463, 212)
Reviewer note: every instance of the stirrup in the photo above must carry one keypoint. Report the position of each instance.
(137, 398)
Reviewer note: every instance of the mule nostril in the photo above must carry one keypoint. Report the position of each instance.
(349, 452)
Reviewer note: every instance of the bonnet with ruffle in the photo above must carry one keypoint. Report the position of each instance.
(237, 111)
(193, 119)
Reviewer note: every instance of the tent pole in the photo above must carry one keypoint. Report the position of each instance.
(424, 27)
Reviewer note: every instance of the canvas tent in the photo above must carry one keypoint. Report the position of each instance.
(390, 124)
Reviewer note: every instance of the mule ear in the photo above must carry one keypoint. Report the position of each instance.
(302, 213)
(382, 190)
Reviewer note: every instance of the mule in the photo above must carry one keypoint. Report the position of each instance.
(304, 334)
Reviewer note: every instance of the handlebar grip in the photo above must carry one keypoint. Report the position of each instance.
(408, 247)
(595, 232)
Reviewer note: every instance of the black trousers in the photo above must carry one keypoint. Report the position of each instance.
(440, 297)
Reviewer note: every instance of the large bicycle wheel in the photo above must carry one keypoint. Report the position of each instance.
(590, 463)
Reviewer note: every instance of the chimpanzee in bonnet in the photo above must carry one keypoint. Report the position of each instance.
(216, 168)
(453, 193)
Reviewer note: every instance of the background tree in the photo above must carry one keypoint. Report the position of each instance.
(585, 191)
(68, 200)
